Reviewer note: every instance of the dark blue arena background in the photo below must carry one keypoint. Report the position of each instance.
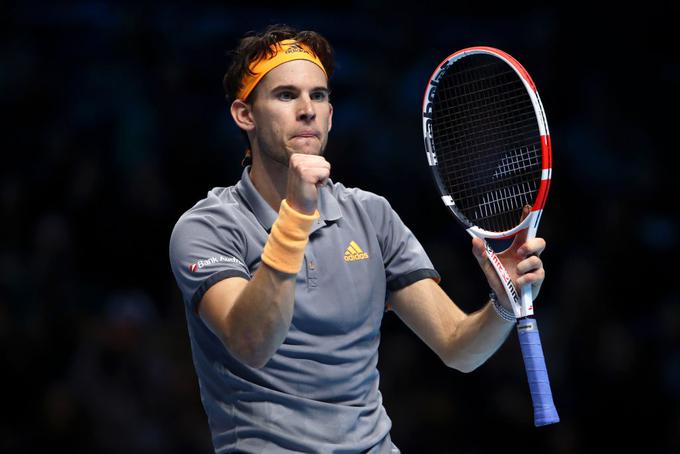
(115, 123)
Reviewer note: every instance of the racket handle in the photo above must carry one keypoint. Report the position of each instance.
(530, 342)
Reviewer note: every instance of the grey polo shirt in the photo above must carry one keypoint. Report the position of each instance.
(319, 392)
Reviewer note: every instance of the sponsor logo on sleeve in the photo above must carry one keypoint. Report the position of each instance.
(211, 261)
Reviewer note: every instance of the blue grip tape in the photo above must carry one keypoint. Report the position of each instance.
(544, 409)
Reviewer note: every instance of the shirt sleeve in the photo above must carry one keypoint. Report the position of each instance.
(404, 257)
(205, 249)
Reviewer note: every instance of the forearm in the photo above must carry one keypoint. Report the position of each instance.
(258, 323)
(462, 341)
(476, 338)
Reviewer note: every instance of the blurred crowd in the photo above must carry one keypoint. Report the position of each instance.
(115, 124)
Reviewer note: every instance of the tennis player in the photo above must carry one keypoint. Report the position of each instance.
(286, 275)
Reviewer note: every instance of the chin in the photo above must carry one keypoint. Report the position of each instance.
(312, 146)
(309, 150)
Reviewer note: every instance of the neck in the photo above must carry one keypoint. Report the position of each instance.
(270, 178)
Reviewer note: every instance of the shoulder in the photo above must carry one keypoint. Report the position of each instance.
(218, 205)
(366, 199)
(219, 209)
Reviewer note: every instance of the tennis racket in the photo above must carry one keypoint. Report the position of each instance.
(487, 143)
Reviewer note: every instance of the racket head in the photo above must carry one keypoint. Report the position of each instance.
(487, 141)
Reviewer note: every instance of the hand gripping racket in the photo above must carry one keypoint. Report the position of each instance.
(487, 143)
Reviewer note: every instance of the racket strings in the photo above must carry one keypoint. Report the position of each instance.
(519, 187)
(476, 116)
(507, 118)
(502, 201)
(507, 175)
(487, 141)
(467, 196)
(478, 67)
(519, 122)
(515, 161)
(523, 162)
(520, 138)
(504, 116)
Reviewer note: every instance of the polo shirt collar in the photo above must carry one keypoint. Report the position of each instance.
(329, 209)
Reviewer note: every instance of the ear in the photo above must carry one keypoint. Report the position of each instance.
(330, 117)
(242, 115)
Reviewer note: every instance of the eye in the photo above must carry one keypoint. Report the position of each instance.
(285, 95)
(319, 96)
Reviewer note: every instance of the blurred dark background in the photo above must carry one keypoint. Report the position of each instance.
(115, 124)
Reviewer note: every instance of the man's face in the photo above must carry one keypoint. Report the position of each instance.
(291, 111)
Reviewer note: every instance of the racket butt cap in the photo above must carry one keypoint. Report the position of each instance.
(546, 416)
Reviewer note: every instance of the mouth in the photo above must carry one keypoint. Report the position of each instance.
(307, 135)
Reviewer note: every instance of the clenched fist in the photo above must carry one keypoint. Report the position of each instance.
(306, 173)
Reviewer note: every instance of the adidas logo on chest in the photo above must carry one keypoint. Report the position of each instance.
(354, 253)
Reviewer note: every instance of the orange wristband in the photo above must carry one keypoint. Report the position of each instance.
(285, 248)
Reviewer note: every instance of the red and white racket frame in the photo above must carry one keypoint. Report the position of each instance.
(522, 305)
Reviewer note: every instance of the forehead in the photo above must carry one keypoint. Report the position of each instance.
(298, 73)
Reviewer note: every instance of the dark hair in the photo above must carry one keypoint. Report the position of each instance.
(257, 45)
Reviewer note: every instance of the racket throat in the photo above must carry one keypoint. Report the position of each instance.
(510, 290)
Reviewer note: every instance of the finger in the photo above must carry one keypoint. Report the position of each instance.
(534, 278)
(309, 169)
(315, 166)
(525, 212)
(308, 159)
(300, 165)
(534, 246)
(479, 251)
(322, 181)
(528, 265)
(315, 173)
(522, 235)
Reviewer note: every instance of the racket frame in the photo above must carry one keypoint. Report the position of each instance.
(522, 303)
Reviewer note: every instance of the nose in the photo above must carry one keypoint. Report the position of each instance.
(306, 111)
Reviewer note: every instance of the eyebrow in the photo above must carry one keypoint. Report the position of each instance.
(294, 88)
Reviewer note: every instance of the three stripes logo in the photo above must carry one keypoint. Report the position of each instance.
(295, 47)
(354, 253)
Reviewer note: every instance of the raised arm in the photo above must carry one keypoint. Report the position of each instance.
(252, 318)
(465, 341)
(462, 341)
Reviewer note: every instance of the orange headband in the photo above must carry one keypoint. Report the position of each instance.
(284, 51)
